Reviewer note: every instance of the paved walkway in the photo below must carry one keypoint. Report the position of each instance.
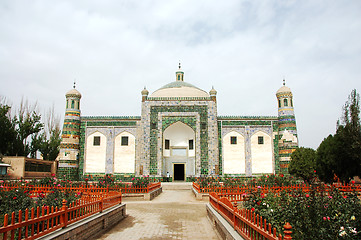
(174, 214)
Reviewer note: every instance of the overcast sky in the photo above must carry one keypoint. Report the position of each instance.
(243, 48)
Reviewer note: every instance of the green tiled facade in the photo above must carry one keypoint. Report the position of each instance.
(202, 110)
(159, 111)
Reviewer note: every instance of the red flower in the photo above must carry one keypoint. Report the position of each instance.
(345, 197)
(307, 195)
(14, 198)
(353, 182)
(252, 209)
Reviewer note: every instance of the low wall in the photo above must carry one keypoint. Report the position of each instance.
(91, 227)
(224, 229)
(146, 196)
(200, 196)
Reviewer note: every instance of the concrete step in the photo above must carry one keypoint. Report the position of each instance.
(176, 185)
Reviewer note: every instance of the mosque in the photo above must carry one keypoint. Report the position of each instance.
(180, 133)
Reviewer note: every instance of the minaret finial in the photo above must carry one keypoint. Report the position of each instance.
(74, 83)
(179, 66)
(284, 81)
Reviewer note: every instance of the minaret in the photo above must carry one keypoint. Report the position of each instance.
(287, 131)
(179, 74)
(145, 93)
(213, 94)
(69, 147)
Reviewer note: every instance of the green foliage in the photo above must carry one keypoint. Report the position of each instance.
(234, 182)
(208, 182)
(312, 215)
(28, 123)
(273, 180)
(263, 180)
(9, 141)
(15, 131)
(303, 164)
(49, 148)
(55, 198)
(14, 200)
(340, 155)
(24, 133)
(326, 159)
(140, 182)
(106, 181)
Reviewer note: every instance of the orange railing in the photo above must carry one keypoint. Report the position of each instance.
(149, 188)
(34, 190)
(249, 225)
(35, 223)
(347, 188)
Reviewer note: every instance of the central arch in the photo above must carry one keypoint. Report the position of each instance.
(179, 150)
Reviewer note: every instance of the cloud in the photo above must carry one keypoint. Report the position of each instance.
(243, 48)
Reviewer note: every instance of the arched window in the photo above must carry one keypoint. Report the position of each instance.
(178, 77)
(72, 103)
(291, 102)
(67, 103)
(279, 103)
(77, 105)
(285, 102)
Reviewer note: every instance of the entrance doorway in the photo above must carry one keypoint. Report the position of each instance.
(178, 171)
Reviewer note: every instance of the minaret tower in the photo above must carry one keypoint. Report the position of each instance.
(287, 131)
(69, 147)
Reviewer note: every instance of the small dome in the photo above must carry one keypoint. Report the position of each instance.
(73, 93)
(213, 91)
(145, 91)
(284, 89)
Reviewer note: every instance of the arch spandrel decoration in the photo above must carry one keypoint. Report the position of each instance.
(189, 121)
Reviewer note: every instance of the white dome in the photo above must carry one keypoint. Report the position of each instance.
(73, 92)
(179, 89)
(284, 89)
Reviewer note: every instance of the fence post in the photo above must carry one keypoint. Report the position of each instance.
(287, 231)
(64, 215)
(101, 203)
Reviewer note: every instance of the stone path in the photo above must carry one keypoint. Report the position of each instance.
(174, 214)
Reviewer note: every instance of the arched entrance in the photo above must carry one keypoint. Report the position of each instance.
(179, 151)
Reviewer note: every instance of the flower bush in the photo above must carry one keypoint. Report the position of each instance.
(273, 180)
(141, 182)
(313, 215)
(208, 182)
(14, 200)
(264, 180)
(55, 198)
(234, 182)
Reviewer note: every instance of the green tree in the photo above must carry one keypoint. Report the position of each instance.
(50, 139)
(349, 139)
(340, 155)
(25, 134)
(28, 124)
(326, 159)
(8, 133)
(303, 163)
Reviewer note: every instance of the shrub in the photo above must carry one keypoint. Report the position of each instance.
(140, 182)
(273, 180)
(55, 198)
(14, 200)
(313, 215)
